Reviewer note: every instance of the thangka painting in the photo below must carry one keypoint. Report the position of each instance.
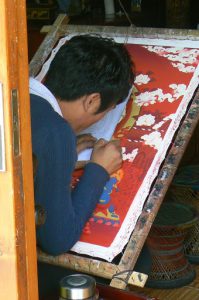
(167, 74)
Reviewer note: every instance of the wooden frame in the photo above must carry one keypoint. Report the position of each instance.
(94, 266)
(18, 263)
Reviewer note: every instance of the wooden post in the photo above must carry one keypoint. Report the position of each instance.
(18, 272)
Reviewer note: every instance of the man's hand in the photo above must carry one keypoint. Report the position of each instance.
(108, 155)
(80, 164)
(85, 141)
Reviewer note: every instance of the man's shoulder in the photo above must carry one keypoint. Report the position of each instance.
(39, 106)
(42, 111)
(45, 121)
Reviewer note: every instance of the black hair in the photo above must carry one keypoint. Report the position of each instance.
(91, 64)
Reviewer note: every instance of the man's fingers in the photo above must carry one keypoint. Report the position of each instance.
(116, 143)
(85, 137)
(81, 164)
(100, 143)
(85, 141)
(85, 145)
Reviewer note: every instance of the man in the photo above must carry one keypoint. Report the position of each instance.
(88, 77)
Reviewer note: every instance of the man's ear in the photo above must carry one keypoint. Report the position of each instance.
(92, 103)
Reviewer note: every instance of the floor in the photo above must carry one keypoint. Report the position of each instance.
(188, 292)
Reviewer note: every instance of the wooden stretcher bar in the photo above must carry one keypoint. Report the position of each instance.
(159, 188)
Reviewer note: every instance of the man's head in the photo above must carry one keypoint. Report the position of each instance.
(91, 66)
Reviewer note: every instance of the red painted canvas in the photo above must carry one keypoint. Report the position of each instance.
(167, 75)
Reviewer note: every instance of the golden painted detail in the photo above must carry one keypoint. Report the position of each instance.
(38, 13)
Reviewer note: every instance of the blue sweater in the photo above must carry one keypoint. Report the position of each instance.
(54, 144)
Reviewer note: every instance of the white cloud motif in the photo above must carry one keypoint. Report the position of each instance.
(129, 156)
(179, 90)
(145, 120)
(184, 58)
(142, 79)
(146, 98)
(153, 139)
(167, 118)
(158, 125)
(185, 69)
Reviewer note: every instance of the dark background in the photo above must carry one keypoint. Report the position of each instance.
(151, 13)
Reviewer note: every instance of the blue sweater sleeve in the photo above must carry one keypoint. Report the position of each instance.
(67, 211)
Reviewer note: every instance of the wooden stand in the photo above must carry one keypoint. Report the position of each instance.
(166, 173)
(170, 266)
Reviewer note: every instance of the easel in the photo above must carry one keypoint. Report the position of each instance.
(166, 173)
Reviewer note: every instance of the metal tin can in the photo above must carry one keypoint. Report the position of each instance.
(78, 287)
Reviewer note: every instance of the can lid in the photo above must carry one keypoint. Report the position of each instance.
(77, 286)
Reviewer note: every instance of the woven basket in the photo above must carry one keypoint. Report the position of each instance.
(185, 185)
(185, 189)
(170, 267)
(191, 244)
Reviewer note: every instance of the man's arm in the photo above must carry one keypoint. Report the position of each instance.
(67, 212)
